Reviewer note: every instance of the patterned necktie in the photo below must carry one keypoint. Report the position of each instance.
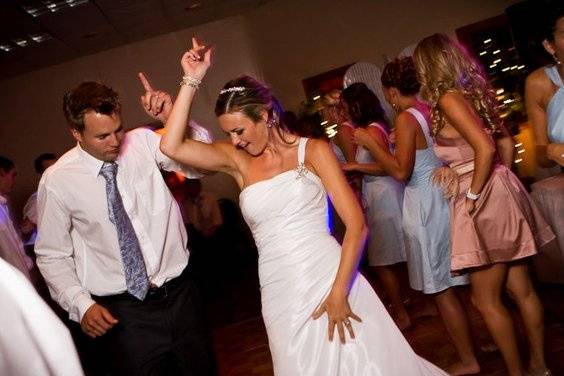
(131, 256)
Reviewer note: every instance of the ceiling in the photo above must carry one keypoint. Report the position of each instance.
(75, 28)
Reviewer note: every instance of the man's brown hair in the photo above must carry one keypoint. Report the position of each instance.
(89, 96)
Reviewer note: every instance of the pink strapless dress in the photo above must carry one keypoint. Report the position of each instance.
(505, 226)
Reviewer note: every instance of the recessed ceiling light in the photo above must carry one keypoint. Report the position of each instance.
(6, 47)
(38, 8)
(193, 6)
(40, 37)
(73, 3)
(32, 11)
(21, 42)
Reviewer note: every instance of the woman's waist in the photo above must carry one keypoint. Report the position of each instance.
(286, 237)
(555, 120)
(379, 180)
(304, 261)
(467, 168)
(421, 174)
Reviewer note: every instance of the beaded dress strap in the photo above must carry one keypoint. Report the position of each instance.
(301, 150)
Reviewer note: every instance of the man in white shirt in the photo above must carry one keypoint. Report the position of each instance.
(11, 245)
(33, 341)
(112, 246)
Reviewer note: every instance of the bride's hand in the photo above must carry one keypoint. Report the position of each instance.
(338, 312)
(193, 63)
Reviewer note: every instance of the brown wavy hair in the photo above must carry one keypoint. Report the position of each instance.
(444, 65)
(89, 96)
(401, 74)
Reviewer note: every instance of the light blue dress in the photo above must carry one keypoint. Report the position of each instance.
(382, 198)
(555, 108)
(426, 223)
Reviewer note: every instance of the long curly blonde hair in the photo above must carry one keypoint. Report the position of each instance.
(444, 65)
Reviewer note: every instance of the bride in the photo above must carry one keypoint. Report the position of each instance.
(310, 288)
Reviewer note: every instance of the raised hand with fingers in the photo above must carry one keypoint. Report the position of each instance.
(196, 61)
(338, 312)
(156, 103)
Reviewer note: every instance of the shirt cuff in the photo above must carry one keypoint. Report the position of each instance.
(81, 304)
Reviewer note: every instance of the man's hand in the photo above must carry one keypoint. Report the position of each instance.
(97, 321)
(156, 103)
(27, 227)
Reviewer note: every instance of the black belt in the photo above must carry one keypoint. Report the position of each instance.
(163, 290)
(155, 292)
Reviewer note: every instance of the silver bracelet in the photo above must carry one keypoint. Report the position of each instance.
(190, 81)
(472, 196)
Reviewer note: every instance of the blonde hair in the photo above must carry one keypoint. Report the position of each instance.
(443, 65)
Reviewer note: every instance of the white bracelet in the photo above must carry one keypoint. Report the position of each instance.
(191, 81)
(472, 196)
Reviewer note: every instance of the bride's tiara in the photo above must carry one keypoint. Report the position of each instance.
(234, 89)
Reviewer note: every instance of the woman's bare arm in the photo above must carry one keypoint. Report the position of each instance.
(399, 165)
(327, 167)
(217, 156)
(460, 114)
(535, 89)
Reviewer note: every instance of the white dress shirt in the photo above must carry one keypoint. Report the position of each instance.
(77, 246)
(33, 341)
(11, 245)
(30, 212)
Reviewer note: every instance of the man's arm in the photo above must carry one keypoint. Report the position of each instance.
(152, 141)
(55, 259)
(158, 105)
(54, 249)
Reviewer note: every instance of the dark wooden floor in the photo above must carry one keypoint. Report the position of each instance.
(241, 344)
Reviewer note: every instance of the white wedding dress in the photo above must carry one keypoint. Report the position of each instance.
(298, 261)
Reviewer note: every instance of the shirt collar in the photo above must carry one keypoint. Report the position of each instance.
(92, 164)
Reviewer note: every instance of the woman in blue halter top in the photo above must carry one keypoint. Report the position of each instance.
(426, 213)
(544, 96)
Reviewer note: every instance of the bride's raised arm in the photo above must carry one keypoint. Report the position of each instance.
(217, 156)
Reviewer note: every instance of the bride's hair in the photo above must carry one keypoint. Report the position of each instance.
(443, 65)
(250, 96)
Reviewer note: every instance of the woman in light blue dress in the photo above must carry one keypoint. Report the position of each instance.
(544, 95)
(426, 219)
(382, 196)
(544, 98)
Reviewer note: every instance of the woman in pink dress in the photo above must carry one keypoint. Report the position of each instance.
(494, 225)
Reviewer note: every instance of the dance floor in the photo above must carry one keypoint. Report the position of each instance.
(241, 344)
